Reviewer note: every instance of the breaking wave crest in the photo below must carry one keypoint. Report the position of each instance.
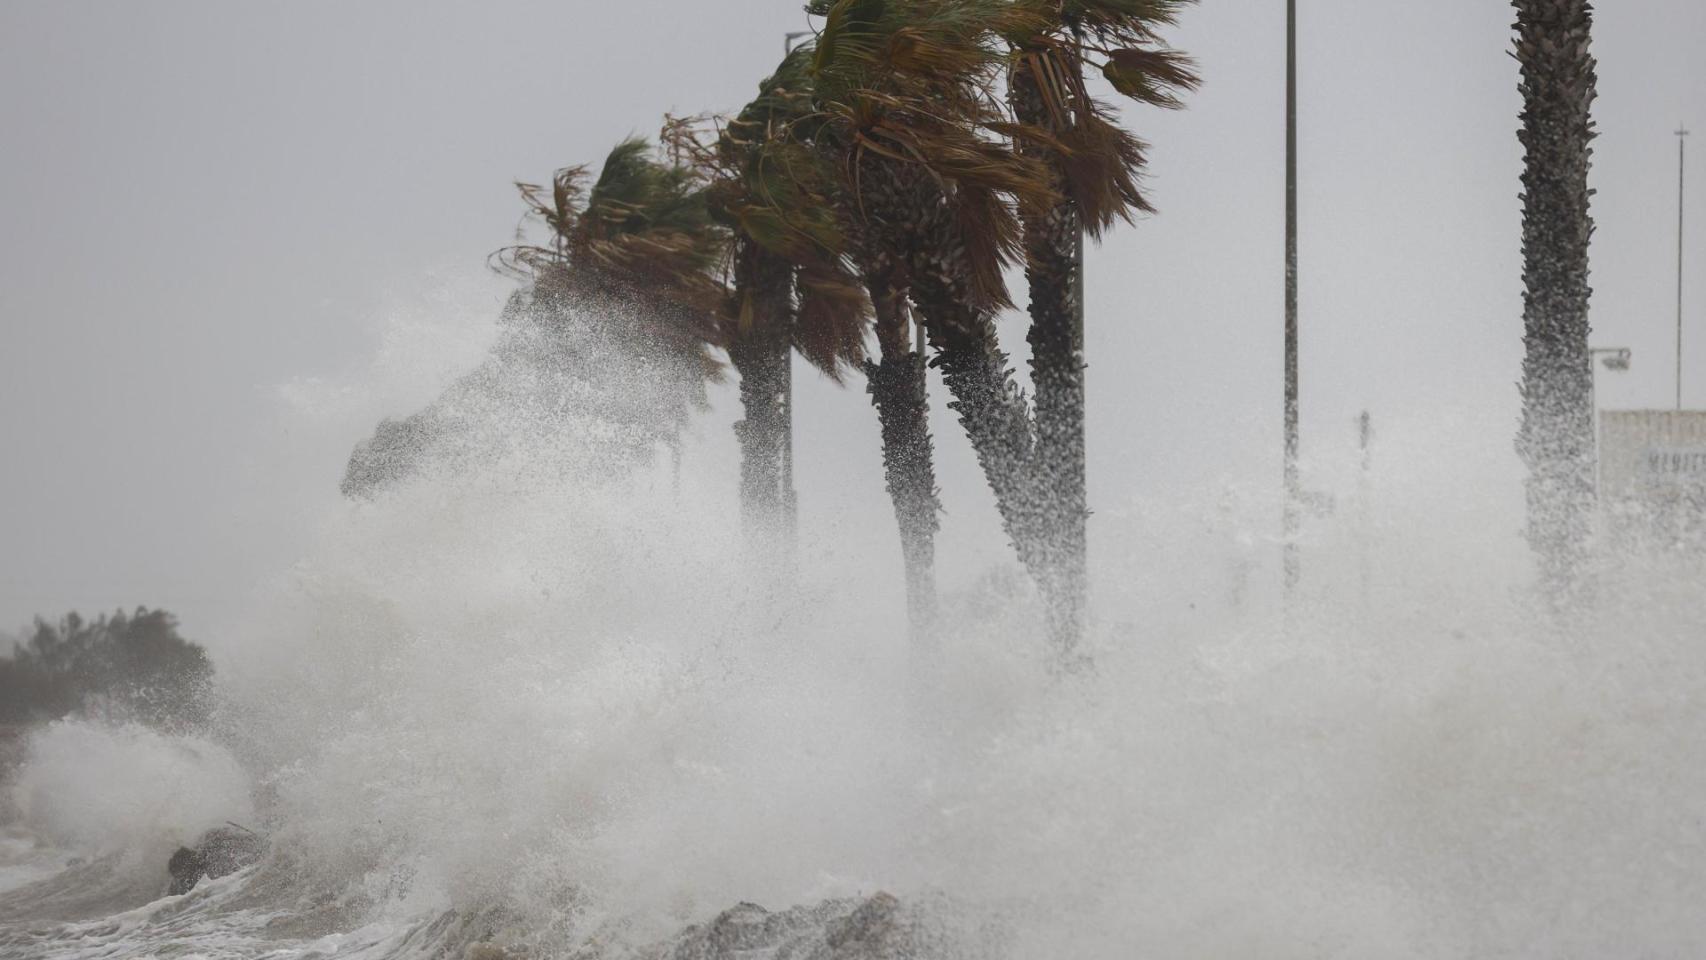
(543, 709)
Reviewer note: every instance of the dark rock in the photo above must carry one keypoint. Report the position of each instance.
(185, 868)
(875, 928)
(219, 852)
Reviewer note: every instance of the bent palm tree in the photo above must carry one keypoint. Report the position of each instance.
(608, 342)
(1093, 166)
(785, 200)
(1556, 440)
(792, 291)
(934, 199)
(638, 248)
(802, 195)
(950, 190)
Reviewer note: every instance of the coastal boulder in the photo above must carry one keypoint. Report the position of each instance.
(878, 927)
(219, 852)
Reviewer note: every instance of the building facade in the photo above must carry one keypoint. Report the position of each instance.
(1652, 476)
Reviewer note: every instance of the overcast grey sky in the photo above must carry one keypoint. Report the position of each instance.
(204, 202)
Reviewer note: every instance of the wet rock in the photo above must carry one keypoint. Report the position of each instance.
(875, 930)
(185, 868)
(219, 852)
(879, 927)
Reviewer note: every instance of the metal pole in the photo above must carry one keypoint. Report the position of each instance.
(1593, 406)
(790, 497)
(1292, 484)
(1365, 440)
(790, 500)
(1681, 147)
(1614, 358)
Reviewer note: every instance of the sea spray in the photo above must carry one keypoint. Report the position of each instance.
(97, 789)
(518, 704)
(584, 703)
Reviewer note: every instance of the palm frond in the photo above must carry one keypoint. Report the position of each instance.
(1100, 170)
(986, 227)
(1151, 76)
(1099, 164)
(642, 233)
(833, 315)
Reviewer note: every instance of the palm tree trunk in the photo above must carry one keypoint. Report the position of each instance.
(760, 354)
(1054, 268)
(897, 388)
(1556, 438)
(997, 419)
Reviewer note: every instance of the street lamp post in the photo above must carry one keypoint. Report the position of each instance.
(1293, 482)
(790, 498)
(1681, 152)
(1614, 358)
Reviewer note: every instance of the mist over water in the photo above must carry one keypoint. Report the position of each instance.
(533, 702)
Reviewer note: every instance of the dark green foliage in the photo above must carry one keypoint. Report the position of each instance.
(1097, 163)
(775, 195)
(794, 289)
(642, 233)
(125, 667)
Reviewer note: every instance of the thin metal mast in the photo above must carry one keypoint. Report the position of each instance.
(1681, 148)
(789, 496)
(1292, 481)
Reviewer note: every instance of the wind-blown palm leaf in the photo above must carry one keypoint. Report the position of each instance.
(832, 317)
(906, 90)
(642, 233)
(771, 188)
(1100, 163)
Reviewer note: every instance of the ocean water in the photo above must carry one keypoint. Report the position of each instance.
(522, 706)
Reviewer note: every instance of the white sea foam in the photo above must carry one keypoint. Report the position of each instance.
(97, 789)
(566, 705)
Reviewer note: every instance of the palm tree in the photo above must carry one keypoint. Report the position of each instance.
(631, 259)
(1556, 437)
(1094, 167)
(800, 189)
(614, 329)
(908, 89)
(760, 351)
(896, 383)
(947, 190)
(786, 203)
(792, 289)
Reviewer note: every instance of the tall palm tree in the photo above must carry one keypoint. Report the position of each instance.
(895, 379)
(786, 201)
(899, 391)
(949, 189)
(792, 289)
(909, 90)
(636, 251)
(1556, 437)
(761, 353)
(1094, 166)
(616, 326)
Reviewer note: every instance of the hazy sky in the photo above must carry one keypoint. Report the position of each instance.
(205, 206)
